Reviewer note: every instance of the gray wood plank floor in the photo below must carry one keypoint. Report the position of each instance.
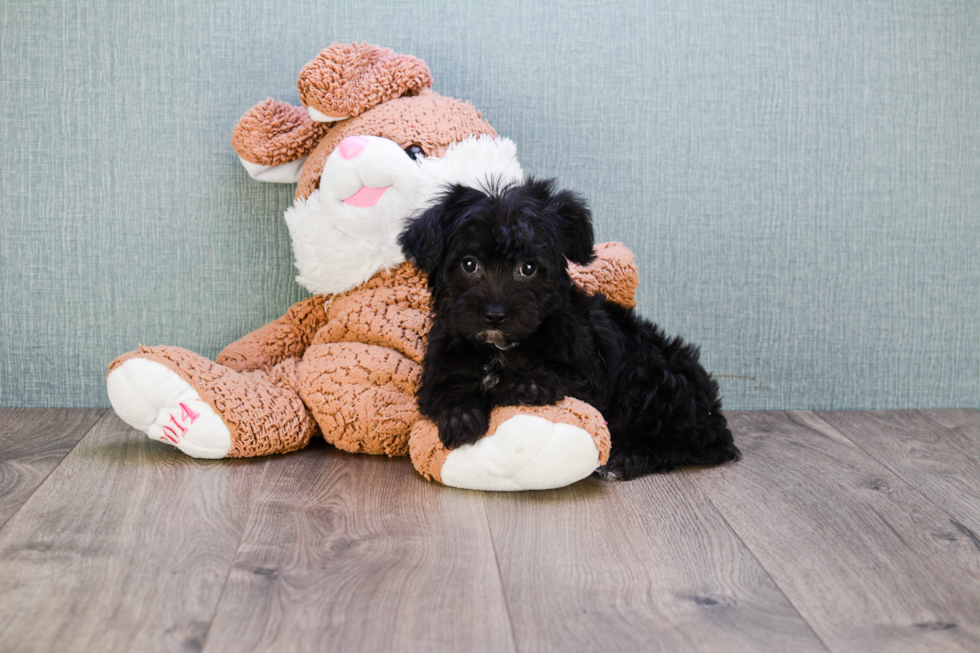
(867, 560)
(837, 531)
(358, 553)
(32, 443)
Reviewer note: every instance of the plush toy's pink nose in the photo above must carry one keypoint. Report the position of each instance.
(351, 146)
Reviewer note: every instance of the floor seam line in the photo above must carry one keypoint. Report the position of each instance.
(889, 468)
(234, 559)
(767, 572)
(924, 413)
(500, 577)
(98, 421)
(758, 561)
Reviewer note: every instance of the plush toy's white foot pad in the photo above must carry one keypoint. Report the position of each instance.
(525, 453)
(155, 400)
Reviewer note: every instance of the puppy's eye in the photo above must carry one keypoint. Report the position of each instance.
(414, 152)
(528, 269)
(470, 265)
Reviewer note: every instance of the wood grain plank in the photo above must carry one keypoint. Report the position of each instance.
(647, 565)
(869, 562)
(33, 441)
(965, 422)
(125, 547)
(943, 463)
(359, 553)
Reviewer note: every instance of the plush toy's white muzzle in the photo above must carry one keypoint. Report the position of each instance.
(347, 230)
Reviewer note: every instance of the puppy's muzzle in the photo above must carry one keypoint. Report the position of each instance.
(497, 339)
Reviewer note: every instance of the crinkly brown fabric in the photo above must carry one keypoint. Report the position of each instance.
(428, 453)
(273, 133)
(345, 80)
(262, 409)
(390, 310)
(613, 273)
(287, 337)
(362, 396)
(429, 120)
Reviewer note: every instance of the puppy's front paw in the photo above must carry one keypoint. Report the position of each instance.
(528, 393)
(463, 425)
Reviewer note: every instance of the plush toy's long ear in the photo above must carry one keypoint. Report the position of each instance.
(273, 140)
(579, 241)
(424, 238)
(345, 80)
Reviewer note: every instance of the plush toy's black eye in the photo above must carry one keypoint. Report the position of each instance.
(528, 269)
(414, 152)
(470, 265)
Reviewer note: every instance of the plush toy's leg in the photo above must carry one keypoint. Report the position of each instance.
(362, 396)
(207, 410)
(526, 448)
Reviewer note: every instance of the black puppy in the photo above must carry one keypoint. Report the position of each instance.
(509, 328)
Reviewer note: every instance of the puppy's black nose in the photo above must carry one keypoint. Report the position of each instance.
(496, 314)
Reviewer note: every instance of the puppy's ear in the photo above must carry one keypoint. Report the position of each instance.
(576, 224)
(421, 240)
(424, 238)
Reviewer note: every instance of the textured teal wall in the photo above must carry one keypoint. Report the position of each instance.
(800, 180)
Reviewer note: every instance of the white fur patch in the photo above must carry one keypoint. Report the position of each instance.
(474, 161)
(154, 399)
(525, 453)
(338, 247)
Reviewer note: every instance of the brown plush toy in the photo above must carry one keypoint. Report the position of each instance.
(371, 146)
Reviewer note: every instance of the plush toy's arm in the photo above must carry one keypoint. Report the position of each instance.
(526, 448)
(274, 138)
(612, 273)
(287, 337)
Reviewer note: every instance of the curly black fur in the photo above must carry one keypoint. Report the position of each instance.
(507, 333)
